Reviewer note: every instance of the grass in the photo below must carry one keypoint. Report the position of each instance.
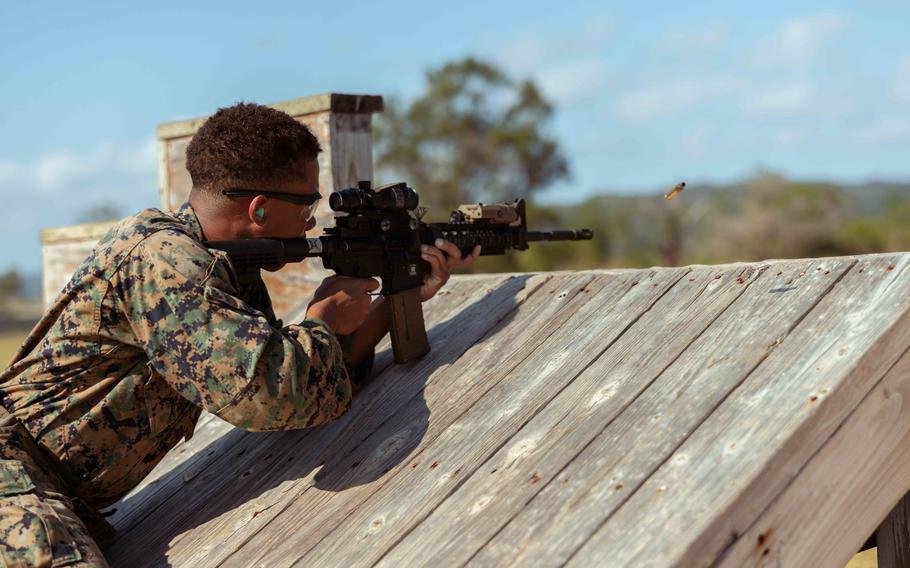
(865, 559)
(10, 341)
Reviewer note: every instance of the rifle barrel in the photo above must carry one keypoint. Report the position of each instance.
(563, 235)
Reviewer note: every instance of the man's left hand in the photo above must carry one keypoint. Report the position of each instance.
(442, 258)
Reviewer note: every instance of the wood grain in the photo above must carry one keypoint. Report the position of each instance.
(718, 482)
(366, 530)
(749, 414)
(469, 517)
(241, 490)
(840, 496)
(602, 475)
(215, 440)
(357, 466)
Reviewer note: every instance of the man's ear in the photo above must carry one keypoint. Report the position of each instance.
(257, 210)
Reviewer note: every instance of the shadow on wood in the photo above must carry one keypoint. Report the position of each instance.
(236, 468)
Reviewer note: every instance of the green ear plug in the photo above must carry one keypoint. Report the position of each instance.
(260, 212)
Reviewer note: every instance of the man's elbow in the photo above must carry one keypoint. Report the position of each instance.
(291, 412)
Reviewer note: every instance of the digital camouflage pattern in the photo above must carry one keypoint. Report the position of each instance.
(151, 330)
(38, 525)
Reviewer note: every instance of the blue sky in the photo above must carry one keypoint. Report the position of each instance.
(646, 94)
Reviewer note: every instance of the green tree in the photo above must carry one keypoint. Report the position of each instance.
(10, 286)
(779, 218)
(102, 211)
(473, 135)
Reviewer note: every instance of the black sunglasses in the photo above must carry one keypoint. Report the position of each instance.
(297, 198)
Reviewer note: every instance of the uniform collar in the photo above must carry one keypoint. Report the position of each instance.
(187, 216)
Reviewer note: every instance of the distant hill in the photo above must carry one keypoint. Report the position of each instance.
(765, 216)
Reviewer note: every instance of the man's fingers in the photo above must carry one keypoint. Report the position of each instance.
(454, 258)
(437, 264)
(432, 251)
(470, 258)
(369, 284)
(450, 249)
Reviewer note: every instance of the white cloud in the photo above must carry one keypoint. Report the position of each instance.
(567, 83)
(524, 53)
(51, 171)
(885, 130)
(799, 41)
(669, 98)
(902, 83)
(57, 188)
(566, 69)
(57, 171)
(793, 98)
(698, 38)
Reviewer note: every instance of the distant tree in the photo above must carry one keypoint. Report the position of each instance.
(778, 218)
(104, 211)
(474, 134)
(10, 285)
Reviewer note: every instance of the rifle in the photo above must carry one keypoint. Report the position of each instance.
(379, 234)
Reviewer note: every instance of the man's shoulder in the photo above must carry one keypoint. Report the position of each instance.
(146, 224)
(152, 235)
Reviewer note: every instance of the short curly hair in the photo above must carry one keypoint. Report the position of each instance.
(249, 142)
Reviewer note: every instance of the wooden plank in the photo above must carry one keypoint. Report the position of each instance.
(715, 486)
(371, 518)
(417, 391)
(63, 250)
(893, 536)
(243, 492)
(830, 509)
(164, 182)
(176, 176)
(209, 448)
(568, 509)
(497, 490)
(76, 233)
(352, 149)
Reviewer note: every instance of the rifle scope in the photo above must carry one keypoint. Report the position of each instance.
(391, 197)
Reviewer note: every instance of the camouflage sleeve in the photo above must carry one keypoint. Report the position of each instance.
(221, 353)
(359, 374)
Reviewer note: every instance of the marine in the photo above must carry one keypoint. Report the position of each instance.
(154, 328)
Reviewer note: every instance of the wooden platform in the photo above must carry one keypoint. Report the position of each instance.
(736, 415)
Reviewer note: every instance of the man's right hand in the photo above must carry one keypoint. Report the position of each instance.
(342, 302)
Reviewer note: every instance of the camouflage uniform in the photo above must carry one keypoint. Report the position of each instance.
(151, 330)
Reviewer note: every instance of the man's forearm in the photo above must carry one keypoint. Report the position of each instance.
(374, 328)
